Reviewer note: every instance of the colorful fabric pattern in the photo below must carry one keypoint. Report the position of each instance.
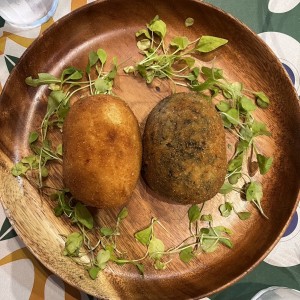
(277, 22)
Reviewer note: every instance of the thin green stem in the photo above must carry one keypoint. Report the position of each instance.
(81, 88)
(133, 260)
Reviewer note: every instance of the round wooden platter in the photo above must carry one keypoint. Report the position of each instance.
(111, 25)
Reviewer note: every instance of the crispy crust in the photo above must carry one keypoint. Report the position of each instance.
(102, 151)
(184, 150)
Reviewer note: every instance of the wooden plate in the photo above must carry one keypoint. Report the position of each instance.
(112, 25)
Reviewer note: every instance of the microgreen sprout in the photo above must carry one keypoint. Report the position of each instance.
(62, 89)
(172, 62)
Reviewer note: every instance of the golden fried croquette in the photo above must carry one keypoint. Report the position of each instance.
(102, 151)
(184, 150)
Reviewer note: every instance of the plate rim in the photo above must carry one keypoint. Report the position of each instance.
(74, 14)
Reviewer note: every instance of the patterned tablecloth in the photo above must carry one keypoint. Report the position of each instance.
(277, 22)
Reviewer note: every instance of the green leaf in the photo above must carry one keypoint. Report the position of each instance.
(106, 231)
(211, 237)
(143, 44)
(43, 78)
(63, 111)
(242, 146)
(209, 245)
(194, 213)
(225, 121)
(143, 31)
(180, 42)
(57, 96)
(93, 58)
(33, 136)
(44, 171)
(194, 74)
(93, 272)
(54, 87)
(247, 134)
(113, 72)
(227, 93)
(189, 22)
(226, 242)
(76, 75)
(206, 85)
(111, 249)
(47, 145)
(206, 218)
(140, 268)
(259, 128)
(205, 230)
(234, 178)
(189, 61)
(159, 265)
(58, 210)
(54, 100)
(213, 73)
(71, 73)
(226, 209)
(209, 43)
(222, 229)
(195, 71)
(214, 91)
(264, 163)
(236, 89)
(158, 26)
(144, 236)
(19, 169)
(129, 69)
(223, 106)
(59, 149)
(73, 244)
(46, 77)
(83, 215)
(123, 213)
(156, 246)
(102, 258)
(102, 56)
(233, 116)
(262, 99)
(148, 75)
(186, 255)
(254, 191)
(235, 163)
(101, 85)
(31, 160)
(226, 188)
(244, 215)
(247, 104)
(63, 206)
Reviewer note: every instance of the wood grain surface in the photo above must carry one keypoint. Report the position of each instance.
(111, 25)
